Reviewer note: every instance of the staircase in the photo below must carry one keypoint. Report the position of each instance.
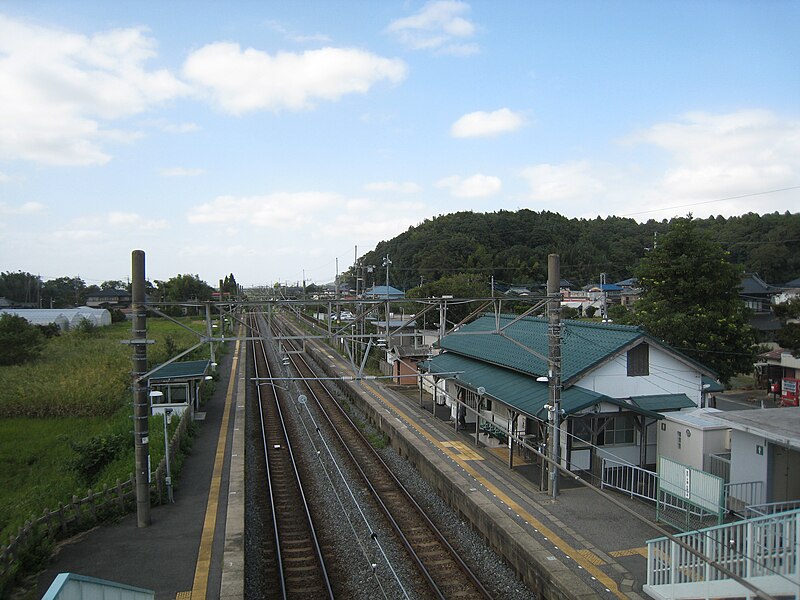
(764, 551)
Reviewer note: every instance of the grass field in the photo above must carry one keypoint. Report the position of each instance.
(78, 392)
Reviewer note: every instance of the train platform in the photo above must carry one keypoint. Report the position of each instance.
(589, 547)
(194, 547)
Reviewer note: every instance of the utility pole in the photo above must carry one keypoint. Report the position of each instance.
(603, 304)
(554, 364)
(386, 263)
(141, 407)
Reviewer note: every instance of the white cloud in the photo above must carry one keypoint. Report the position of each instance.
(316, 38)
(475, 186)
(27, 208)
(240, 81)
(278, 210)
(181, 127)
(56, 87)
(487, 124)
(134, 221)
(567, 181)
(718, 155)
(181, 172)
(438, 26)
(404, 187)
(4, 178)
(79, 235)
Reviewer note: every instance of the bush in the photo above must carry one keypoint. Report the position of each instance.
(86, 328)
(94, 454)
(20, 341)
(50, 330)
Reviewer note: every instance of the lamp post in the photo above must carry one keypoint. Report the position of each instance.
(168, 480)
(166, 414)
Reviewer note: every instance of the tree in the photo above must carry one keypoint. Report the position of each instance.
(64, 292)
(19, 287)
(19, 340)
(789, 335)
(690, 300)
(462, 285)
(115, 284)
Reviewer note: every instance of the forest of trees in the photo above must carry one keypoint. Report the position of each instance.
(512, 247)
(25, 289)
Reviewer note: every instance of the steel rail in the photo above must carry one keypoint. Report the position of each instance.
(309, 523)
(471, 578)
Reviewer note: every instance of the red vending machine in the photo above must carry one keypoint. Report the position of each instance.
(789, 392)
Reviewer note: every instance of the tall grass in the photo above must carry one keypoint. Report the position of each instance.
(79, 389)
(86, 375)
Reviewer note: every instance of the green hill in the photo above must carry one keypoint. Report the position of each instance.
(513, 247)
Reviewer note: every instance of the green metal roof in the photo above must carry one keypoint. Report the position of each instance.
(583, 344)
(714, 386)
(519, 391)
(663, 402)
(190, 369)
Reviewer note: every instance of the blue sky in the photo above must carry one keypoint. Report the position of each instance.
(270, 139)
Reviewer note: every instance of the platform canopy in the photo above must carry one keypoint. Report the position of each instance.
(181, 371)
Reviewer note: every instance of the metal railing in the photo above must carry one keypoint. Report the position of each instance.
(629, 479)
(738, 496)
(720, 465)
(765, 551)
(755, 509)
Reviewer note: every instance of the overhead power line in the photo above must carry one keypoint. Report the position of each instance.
(642, 212)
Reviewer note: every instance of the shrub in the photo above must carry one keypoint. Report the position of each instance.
(86, 328)
(50, 330)
(94, 454)
(19, 340)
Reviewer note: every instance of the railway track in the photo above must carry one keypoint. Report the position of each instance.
(444, 571)
(293, 562)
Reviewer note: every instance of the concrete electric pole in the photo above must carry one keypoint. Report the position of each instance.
(554, 364)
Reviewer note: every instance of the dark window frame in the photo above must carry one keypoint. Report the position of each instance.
(638, 359)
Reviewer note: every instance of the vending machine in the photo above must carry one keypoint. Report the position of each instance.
(790, 392)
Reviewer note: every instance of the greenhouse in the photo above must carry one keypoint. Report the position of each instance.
(65, 318)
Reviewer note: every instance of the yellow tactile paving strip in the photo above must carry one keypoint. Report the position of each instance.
(630, 552)
(553, 537)
(203, 565)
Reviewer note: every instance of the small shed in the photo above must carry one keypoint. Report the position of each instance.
(404, 360)
(178, 386)
(691, 437)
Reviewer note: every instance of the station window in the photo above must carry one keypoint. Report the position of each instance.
(618, 430)
(639, 361)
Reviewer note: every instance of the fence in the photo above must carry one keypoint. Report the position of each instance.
(720, 465)
(739, 496)
(80, 514)
(759, 509)
(763, 551)
(629, 479)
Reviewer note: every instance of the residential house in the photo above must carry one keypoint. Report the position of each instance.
(110, 298)
(617, 381)
(779, 371)
(384, 292)
(757, 296)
